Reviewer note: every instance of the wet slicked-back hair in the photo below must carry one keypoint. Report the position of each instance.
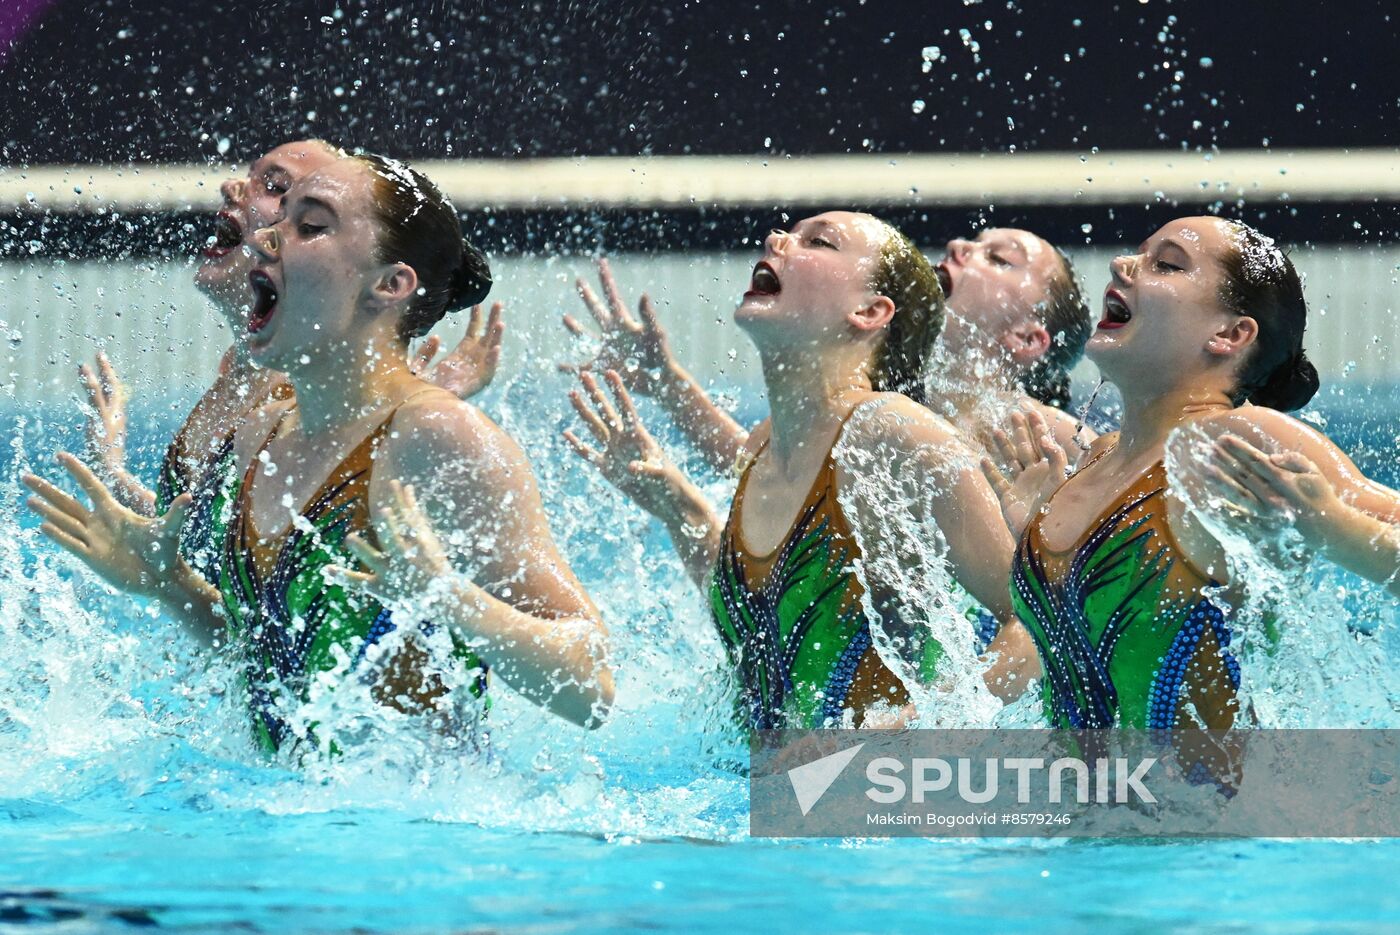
(1261, 283)
(1066, 315)
(418, 226)
(905, 276)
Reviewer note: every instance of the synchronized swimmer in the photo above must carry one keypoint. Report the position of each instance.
(363, 255)
(418, 561)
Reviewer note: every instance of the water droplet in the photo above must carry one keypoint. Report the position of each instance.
(919, 106)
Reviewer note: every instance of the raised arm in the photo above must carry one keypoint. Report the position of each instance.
(1262, 470)
(639, 350)
(631, 460)
(923, 512)
(106, 436)
(969, 515)
(921, 483)
(513, 597)
(1289, 489)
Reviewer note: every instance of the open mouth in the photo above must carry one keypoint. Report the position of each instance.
(1116, 313)
(227, 235)
(945, 278)
(264, 301)
(764, 281)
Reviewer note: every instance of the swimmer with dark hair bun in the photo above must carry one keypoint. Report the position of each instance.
(324, 549)
(1120, 586)
(243, 386)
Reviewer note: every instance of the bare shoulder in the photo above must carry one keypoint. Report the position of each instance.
(757, 439)
(436, 429)
(1273, 431)
(1255, 420)
(1277, 431)
(895, 421)
(1101, 444)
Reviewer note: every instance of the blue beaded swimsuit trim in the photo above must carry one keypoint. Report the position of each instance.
(1164, 695)
(843, 673)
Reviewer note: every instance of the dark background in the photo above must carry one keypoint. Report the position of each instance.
(158, 80)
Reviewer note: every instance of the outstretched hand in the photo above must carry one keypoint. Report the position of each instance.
(410, 559)
(636, 348)
(470, 366)
(106, 436)
(628, 456)
(1029, 441)
(1274, 490)
(1038, 464)
(135, 553)
(106, 424)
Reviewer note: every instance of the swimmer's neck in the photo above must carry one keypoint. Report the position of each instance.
(332, 394)
(1149, 418)
(239, 376)
(961, 383)
(237, 364)
(807, 396)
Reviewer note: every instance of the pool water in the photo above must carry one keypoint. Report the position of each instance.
(131, 799)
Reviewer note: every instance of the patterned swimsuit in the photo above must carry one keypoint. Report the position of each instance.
(792, 621)
(288, 621)
(183, 470)
(1127, 632)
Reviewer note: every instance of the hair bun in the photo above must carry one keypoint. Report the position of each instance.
(1292, 384)
(471, 280)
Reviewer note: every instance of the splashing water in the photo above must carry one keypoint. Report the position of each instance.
(1315, 643)
(1081, 420)
(129, 773)
(98, 700)
(914, 604)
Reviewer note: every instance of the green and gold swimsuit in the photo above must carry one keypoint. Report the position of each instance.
(1126, 628)
(792, 622)
(290, 623)
(184, 470)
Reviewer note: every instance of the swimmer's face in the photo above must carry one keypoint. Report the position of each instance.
(249, 204)
(314, 272)
(1163, 315)
(995, 284)
(813, 278)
